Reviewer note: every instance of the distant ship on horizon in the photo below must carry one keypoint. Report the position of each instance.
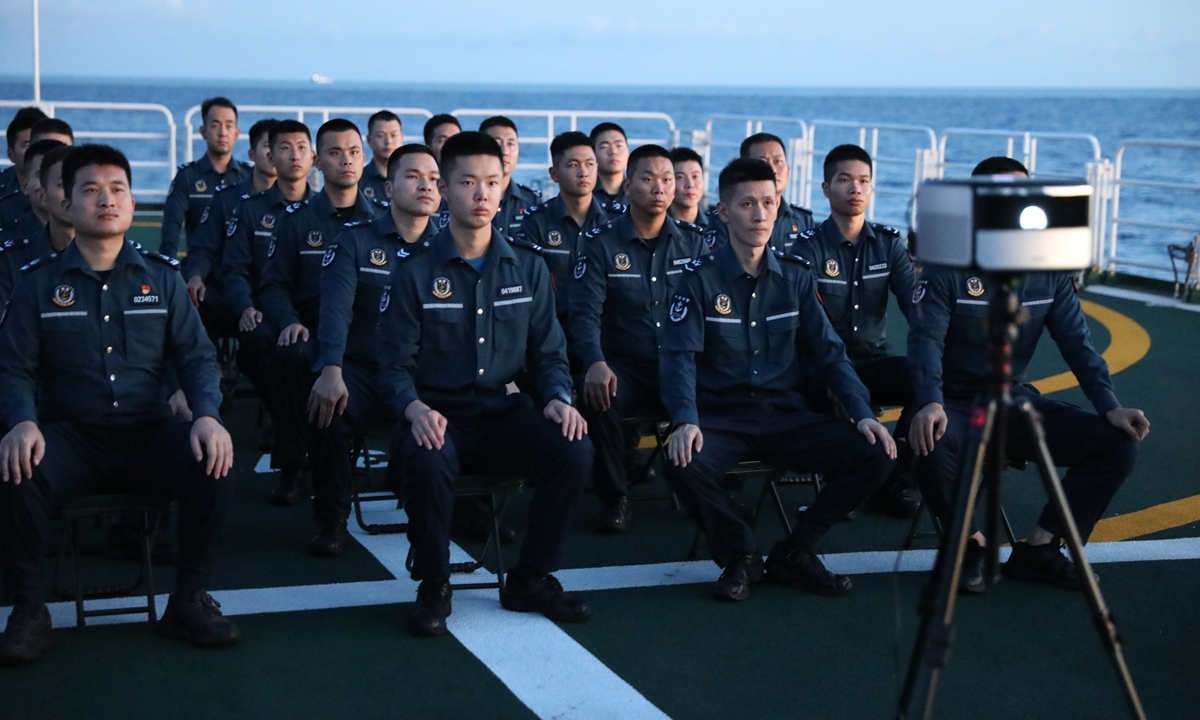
(319, 79)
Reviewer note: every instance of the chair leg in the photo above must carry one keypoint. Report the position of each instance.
(912, 527)
(73, 535)
(695, 549)
(497, 509)
(148, 533)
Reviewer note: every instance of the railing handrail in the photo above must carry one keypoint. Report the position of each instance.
(1115, 220)
(573, 114)
(1030, 138)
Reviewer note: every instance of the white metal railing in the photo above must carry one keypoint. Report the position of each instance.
(301, 113)
(869, 140)
(148, 114)
(793, 131)
(1029, 147)
(1188, 224)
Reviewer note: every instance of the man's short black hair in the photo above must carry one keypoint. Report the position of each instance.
(497, 121)
(336, 125)
(213, 102)
(998, 165)
(51, 126)
(383, 116)
(51, 159)
(400, 152)
(287, 127)
(261, 128)
(82, 156)
(468, 144)
(607, 127)
(436, 122)
(759, 139)
(24, 120)
(846, 152)
(40, 148)
(643, 152)
(565, 141)
(743, 170)
(686, 154)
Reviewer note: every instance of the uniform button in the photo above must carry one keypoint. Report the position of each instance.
(480, 371)
(115, 403)
(656, 302)
(657, 324)
(756, 352)
(105, 318)
(479, 311)
(753, 324)
(753, 295)
(855, 328)
(856, 282)
(480, 341)
(755, 372)
(653, 279)
(104, 287)
(855, 307)
(112, 378)
(108, 349)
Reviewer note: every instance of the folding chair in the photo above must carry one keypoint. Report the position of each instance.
(913, 529)
(361, 452)
(97, 507)
(773, 479)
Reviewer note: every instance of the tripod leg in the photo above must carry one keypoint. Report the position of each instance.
(1103, 620)
(932, 647)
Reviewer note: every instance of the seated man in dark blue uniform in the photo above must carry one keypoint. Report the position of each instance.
(15, 253)
(357, 269)
(206, 243)
(855, 264)
(559, 224)
(947, 350)
(384, 135)
(291, 297)
(623, 284)
(461, 320)
(740, 326)
(85, 347)
(249, 239)
(515, 198)
(18, 217)
(612, 156)
(689, 187)
(17, 142)
(195, 182)
(439, 129)
(791, 220)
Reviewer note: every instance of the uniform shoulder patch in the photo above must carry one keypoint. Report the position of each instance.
(355, 223)
(808, 234)
(532, 209)
(38, 262)
(919, 290)
(521, 242)
(882, 229)
(161, 258)
(296, 206)
(687, 225)
(793, 257)
(617, 207)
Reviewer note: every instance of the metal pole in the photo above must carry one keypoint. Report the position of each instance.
(37, 57)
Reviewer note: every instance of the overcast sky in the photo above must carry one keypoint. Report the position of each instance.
(738, 43)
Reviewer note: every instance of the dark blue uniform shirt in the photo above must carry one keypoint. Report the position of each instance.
(551, 227)
(191, 192)
(372, 182)
(13, 204)
(445, 329)
(948, 335)
(77, 347)
(357, 269)
(612, 203)
(15, 255)
(516, 199)
(206, 243)
(622, 286)
(790, 221)
(854, 279)
(291, 281)
(733, 341)
(249, 241)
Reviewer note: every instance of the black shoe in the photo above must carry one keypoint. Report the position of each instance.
(24, 639)
(197, 618)
(287, 491)
(329, 538)
(615, 516)
(433, 607)
(894, 500)
(543, 594)
(1044, 564)
(799, 566)
(970, 578)
(472, 521)
(740, 573)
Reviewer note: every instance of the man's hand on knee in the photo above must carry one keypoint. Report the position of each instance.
(877, 433)
(685, 440)
(21, 450)
(574, 427)
(211, 441)
(249, 320)
(599, 385)
(329, 395)
(928, 426)
(1133, 422)
(292, 334)
(428, 425)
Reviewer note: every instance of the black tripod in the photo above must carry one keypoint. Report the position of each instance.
(982, 467)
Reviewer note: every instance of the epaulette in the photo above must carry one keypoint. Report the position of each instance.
(698, 263)
(221, 188)
(296, 206)
(688, 225)
(617, 207)
(161, 258)
(10, 194)
(379, 203)
(38, 262)
(523, 243)
(793, 257)
(885, 229)
(6, 245)
(357, 223)
(183, 165)
(597, 230)
(808, 233)
(246, 196)
(532, 209)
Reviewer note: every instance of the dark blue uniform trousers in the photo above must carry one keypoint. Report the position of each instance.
(492, 435)
(331, 461)
(887, 378)
(807, 443)
(154, 459)
(291, 382)
(637, 391)
(256, 352)
(1098, 458)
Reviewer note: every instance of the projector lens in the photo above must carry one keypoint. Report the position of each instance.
(1033, 218)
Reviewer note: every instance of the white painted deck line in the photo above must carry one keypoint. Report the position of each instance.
(1149, 298)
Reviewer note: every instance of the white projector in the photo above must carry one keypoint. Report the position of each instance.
(1004, 224)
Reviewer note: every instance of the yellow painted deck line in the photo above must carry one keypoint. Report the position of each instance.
(1151, 520)
(1130, 343)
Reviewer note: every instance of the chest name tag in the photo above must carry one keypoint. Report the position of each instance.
(880, 266)
(511, 290)
(144, 299)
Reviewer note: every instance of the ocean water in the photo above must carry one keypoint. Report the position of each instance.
(1112, 117)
